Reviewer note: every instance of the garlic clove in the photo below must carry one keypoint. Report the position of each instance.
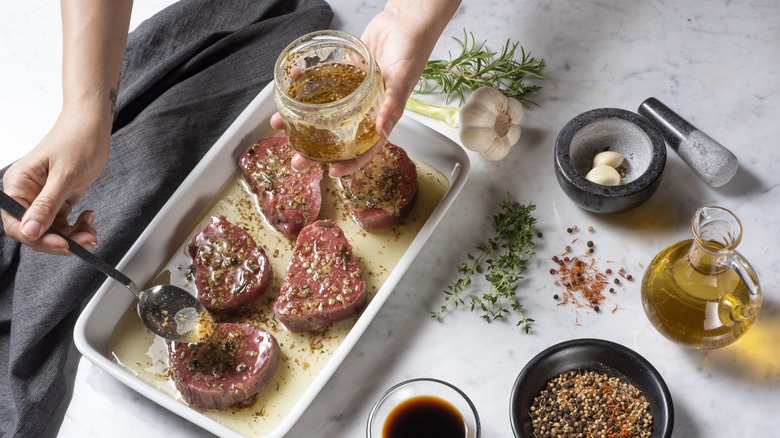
(498, 149)
(481, 108)
(513, 136)
(515, 110)
(477, 139)
(608, 158)
(604, 175)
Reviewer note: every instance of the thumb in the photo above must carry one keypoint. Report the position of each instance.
(43, 210)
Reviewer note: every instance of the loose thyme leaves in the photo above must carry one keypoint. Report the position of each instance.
(502, 261)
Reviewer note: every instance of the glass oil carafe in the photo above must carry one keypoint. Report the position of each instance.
(701, 292)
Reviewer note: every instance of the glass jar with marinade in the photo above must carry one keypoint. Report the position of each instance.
(328, 89)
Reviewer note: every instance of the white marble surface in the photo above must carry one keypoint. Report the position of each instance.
(716, 63)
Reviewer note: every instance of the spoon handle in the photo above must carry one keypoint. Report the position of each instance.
(17, 210)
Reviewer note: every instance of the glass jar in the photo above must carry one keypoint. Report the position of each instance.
(328, 89)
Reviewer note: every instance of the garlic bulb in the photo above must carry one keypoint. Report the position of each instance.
(490, 123)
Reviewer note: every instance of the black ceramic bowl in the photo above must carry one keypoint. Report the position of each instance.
(618, 130)
(590, 355)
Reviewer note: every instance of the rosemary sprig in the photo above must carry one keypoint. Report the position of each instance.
(502, 260)
(477, 67)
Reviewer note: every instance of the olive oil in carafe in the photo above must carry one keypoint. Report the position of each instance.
(695, 303)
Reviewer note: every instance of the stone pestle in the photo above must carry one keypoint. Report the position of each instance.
(710, 160)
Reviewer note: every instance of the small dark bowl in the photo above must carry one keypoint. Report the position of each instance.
(593, 355)
(618, 130)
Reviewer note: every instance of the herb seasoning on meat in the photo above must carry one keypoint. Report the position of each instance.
(231, 270)
(289, 199)
(381, 193)
(228, 369)
(323, 283)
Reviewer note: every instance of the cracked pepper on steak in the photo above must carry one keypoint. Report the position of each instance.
(323, 283)
(380, 194)
(231, 270)
(226, 370)
(289, 199)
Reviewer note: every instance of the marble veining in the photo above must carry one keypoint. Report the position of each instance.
(714, 63)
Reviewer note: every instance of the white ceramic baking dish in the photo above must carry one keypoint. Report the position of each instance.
(169, 231)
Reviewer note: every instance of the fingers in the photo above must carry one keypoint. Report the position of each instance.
(39, 217)
(41, 214)
(342, 168)
(83, 233)
(301, 163)
(48, 201)
(389, 114)
(276, 121)
(50, 244)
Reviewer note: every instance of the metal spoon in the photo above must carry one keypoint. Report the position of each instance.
(167, 310)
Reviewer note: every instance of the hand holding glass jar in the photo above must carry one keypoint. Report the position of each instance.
(328, 90)
(400, 38)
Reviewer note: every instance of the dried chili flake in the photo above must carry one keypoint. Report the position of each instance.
(582, 281)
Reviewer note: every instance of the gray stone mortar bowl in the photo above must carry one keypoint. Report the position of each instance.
(614, 129)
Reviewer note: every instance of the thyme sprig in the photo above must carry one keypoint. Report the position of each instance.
(477, 67)
(502, 260)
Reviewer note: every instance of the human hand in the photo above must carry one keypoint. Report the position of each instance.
(52, 177)
(401, 39)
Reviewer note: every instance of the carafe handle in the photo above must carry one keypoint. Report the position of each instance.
(746, 273)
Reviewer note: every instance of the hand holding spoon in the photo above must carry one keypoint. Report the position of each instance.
(167, 310)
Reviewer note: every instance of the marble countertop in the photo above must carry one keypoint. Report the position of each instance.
(715, 63)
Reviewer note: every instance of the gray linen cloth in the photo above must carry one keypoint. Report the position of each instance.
(188, 72)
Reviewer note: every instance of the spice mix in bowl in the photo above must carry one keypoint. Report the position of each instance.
(591, 387)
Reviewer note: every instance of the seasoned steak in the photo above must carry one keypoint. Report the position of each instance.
(289, 199)
(231, 271)
(226, 370)
(323, 283)
(382, 192)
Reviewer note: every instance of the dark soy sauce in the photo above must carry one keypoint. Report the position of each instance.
(424, 416)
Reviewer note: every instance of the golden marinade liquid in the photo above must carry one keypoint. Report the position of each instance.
(324, 84)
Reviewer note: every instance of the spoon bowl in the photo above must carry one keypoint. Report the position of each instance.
(175, 314)
(167, 310)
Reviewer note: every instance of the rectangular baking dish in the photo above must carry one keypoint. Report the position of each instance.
(179, 218)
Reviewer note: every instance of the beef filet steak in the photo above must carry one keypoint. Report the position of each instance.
(231, 271)
(323, 283)
(226, 370)
(289, 199)
(383, 191)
